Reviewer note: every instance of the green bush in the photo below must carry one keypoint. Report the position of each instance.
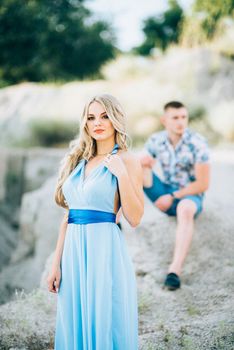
(212, 12)
(196, 113)
(209, 21)
(52, 132)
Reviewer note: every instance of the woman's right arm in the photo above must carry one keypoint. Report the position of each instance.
(54, 277)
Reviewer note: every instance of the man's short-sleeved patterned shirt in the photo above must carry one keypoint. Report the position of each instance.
(178, 163)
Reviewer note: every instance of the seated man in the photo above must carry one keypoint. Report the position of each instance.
(183, 156)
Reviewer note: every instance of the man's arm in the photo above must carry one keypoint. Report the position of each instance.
(200, 185)
(147, 163)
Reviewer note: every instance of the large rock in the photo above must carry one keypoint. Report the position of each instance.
(39, 221)
(8, 241)
(3, 171)
(12, 181)
(39, 224)
(23, 170)
(40, 164)
(20, 171)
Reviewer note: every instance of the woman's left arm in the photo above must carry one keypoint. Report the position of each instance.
(127, 168)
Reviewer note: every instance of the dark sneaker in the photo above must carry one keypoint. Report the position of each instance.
(172, 281)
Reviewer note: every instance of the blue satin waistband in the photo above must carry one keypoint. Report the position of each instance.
(86, 216)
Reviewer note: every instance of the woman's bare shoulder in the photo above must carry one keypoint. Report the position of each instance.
(130, 159)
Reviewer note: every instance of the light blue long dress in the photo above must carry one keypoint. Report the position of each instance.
(97, 304)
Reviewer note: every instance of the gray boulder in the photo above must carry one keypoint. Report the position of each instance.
(39, 223)
(21, 171)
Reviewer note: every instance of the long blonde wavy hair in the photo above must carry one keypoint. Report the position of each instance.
(84, 146)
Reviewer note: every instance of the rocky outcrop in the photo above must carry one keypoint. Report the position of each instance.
(204, 80)
(24, 170)
(21, 171)
(199, 316)
(8, 241)
(39, 224)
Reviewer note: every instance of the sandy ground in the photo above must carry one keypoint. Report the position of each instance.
(201, 314)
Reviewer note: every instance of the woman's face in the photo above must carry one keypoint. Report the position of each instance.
(98, 123)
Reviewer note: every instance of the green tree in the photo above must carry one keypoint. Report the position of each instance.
(51, 39)
(162, 30)
(213, 11)
(20, 26)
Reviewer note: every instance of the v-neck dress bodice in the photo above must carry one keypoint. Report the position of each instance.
(86, 193)
(97, 304)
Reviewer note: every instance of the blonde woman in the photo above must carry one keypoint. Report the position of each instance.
(92, 271)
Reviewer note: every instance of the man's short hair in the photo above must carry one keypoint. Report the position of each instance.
(173, 104)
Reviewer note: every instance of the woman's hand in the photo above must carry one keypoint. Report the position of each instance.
(127, 168)
(53, 280)
(115, 164)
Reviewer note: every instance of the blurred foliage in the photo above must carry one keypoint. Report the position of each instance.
(195, 28)
(205, 128)
(212, 12)
(48, 133)
(197, 113)
(162, 30)
(223, 41)
(198, 121)
(192, 33)
(43, 40)
(210, 21)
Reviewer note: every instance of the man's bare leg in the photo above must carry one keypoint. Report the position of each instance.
(186, 210)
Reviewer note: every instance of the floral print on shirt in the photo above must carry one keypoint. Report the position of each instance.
(178, 163)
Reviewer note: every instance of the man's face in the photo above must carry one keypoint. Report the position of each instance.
(175, 120)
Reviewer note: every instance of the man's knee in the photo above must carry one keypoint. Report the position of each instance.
(160, 206)
(186, 209)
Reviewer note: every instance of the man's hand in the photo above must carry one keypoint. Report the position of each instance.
(164, 202)
(147, 161)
